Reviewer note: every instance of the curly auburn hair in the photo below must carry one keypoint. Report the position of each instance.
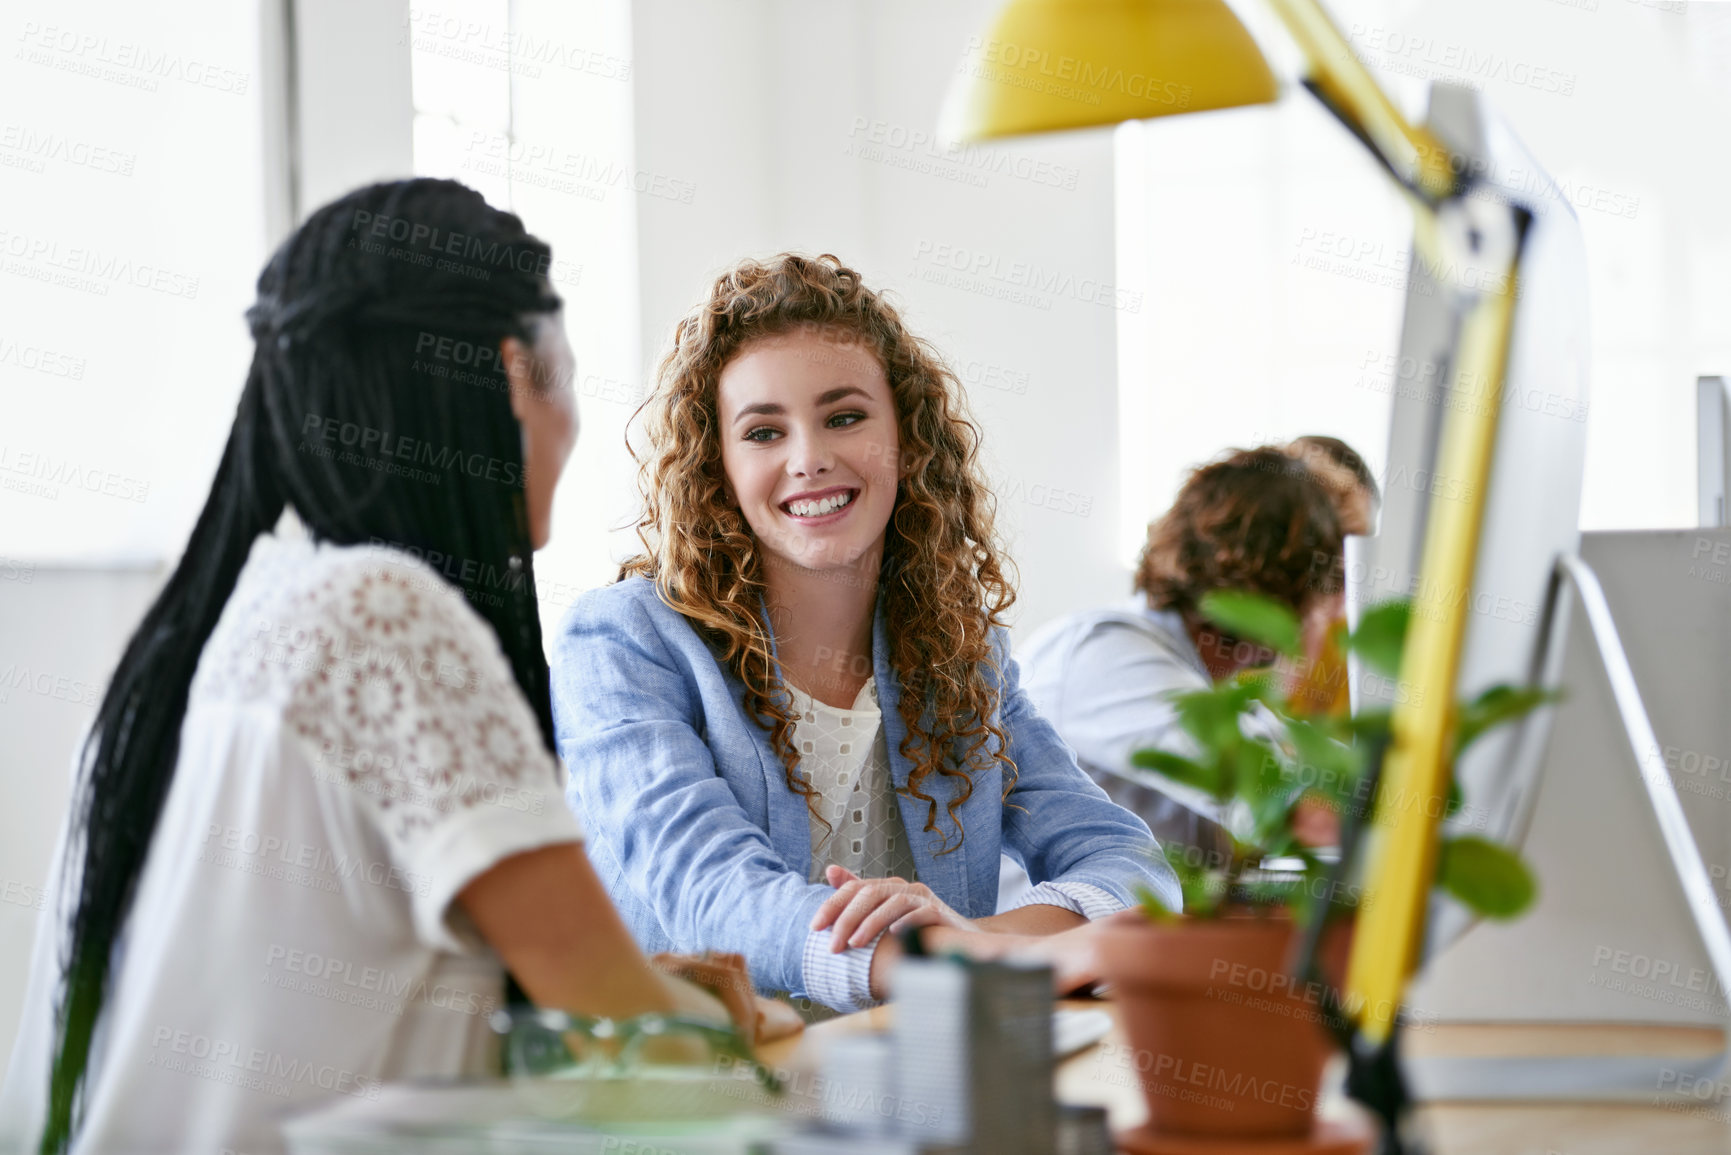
(1349, 480)
(943, 581)
(1320, 447)
(1258, 520)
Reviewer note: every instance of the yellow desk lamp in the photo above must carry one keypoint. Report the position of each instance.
(1050, 65)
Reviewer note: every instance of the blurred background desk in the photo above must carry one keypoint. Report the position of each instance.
(1102, 1074)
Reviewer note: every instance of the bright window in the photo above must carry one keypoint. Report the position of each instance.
(529, 102)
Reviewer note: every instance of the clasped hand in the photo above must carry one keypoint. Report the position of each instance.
(862, 908)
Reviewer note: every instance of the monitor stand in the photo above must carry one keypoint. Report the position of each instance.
(1653, 1078)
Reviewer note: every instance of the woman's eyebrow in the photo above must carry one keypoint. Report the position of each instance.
(772, 409)
(764, 408)
(836, 394)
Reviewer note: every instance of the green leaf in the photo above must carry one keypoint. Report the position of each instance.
(1325, 763)
(1381, 636)
(1254, 618)
(1203, 895)
(1488, 879)
(1256, 684)
(1182, 770)
(1285, 892)
(1151, 905)
(1259, 771)
(1211, 717)
(1262, 782)
(1371, 724)
(1202, 885)
(1501, 703)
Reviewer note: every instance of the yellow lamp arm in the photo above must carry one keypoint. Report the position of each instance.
(1401, 864)
(1410, 151)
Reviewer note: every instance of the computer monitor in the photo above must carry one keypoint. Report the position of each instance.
(1712, 461)
(1532, 512)
(1527, 576)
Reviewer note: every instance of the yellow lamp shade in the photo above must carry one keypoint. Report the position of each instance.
(1051, 65)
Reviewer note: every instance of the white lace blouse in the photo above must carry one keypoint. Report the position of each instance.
(355, 751)
(845, 756)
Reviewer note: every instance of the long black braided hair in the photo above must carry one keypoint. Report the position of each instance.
(353, 311)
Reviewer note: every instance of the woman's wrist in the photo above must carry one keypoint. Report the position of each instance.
(885, 956)
(1034, 919)
(687, 998)
(1056, 950)
(712, 985)
(978, 944)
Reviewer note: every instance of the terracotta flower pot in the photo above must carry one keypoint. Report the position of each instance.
(1222, 1042)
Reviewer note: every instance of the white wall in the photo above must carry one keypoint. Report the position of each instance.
(135, 147)
(578, 184)
(62, 630)
(131, 170)
(353, 108)
(1273, 251)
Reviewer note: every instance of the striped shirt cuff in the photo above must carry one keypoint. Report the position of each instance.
(840, 981)
(1088, 901)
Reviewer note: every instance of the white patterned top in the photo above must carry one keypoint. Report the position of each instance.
(845, 756)
(355, 751)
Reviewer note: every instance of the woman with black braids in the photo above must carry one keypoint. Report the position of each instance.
(319, 806)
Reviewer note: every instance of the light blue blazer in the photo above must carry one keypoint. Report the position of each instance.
(702, 845)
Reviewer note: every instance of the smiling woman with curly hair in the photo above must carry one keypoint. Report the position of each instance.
(794, 724)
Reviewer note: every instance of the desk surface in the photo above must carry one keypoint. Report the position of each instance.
(1454, 1128)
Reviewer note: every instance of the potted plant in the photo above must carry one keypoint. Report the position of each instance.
(1225, 1042)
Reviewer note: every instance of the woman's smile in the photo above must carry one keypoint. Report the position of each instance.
(824, 507)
